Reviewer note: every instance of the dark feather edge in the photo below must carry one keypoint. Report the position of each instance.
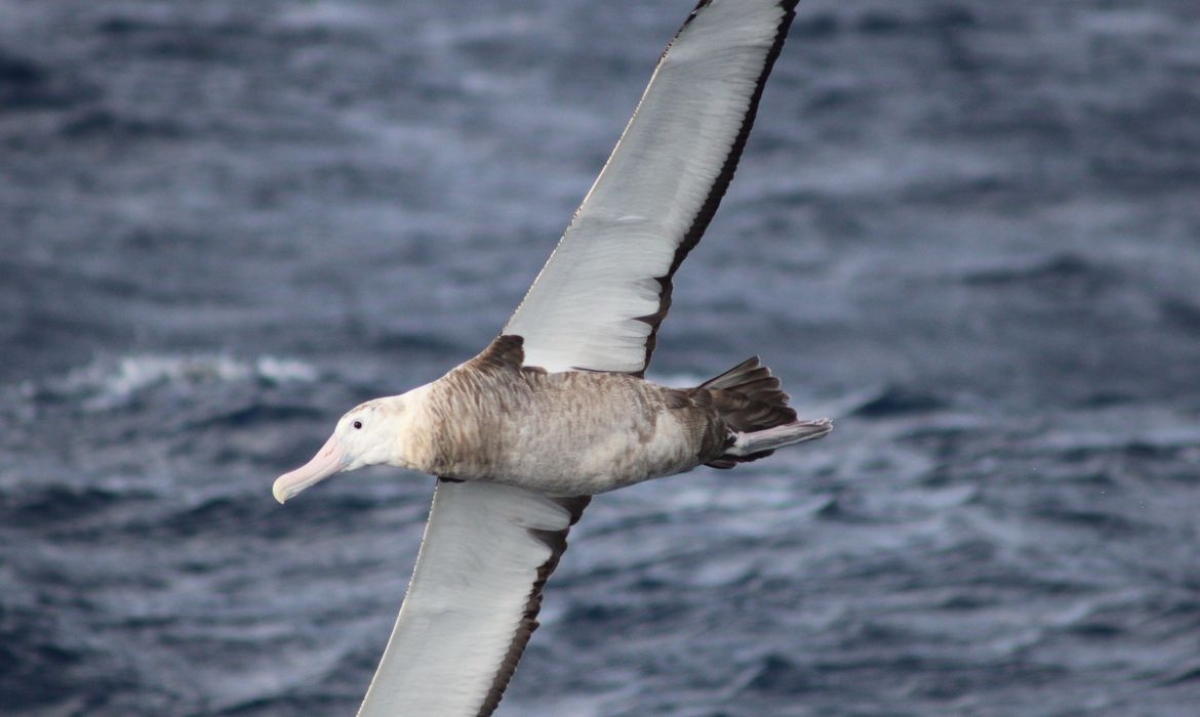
(556, 541)
(709, 208)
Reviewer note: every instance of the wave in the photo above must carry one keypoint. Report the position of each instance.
(112, 383)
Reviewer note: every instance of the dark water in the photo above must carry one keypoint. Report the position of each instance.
(971, 227)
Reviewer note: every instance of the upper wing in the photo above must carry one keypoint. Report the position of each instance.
(472, 602)
(599, 300)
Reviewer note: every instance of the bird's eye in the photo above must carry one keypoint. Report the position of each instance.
(358, 424)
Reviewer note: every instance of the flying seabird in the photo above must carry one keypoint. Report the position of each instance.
(556, 408)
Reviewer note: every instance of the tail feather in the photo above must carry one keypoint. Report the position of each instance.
(755, 408)
(766, 390)
(757, 444)
(747, 397)
(748, 370)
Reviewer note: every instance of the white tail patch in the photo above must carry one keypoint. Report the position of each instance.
(751, 442)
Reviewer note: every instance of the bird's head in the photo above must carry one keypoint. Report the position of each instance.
(370, 434)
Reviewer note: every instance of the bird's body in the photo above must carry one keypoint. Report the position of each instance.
(572, 432)
(563, 433)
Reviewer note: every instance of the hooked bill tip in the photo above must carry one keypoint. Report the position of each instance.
(329, 460)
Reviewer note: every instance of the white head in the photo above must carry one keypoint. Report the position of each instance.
(368, 435)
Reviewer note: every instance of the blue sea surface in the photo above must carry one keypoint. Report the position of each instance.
(970, 230)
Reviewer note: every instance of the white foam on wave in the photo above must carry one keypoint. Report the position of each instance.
(106, 384)
(325, 15)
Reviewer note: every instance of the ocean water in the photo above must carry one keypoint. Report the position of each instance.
(970, 230)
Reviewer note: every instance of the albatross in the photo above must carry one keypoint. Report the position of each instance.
(556, 409)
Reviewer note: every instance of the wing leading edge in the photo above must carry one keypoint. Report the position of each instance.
(599, 300)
